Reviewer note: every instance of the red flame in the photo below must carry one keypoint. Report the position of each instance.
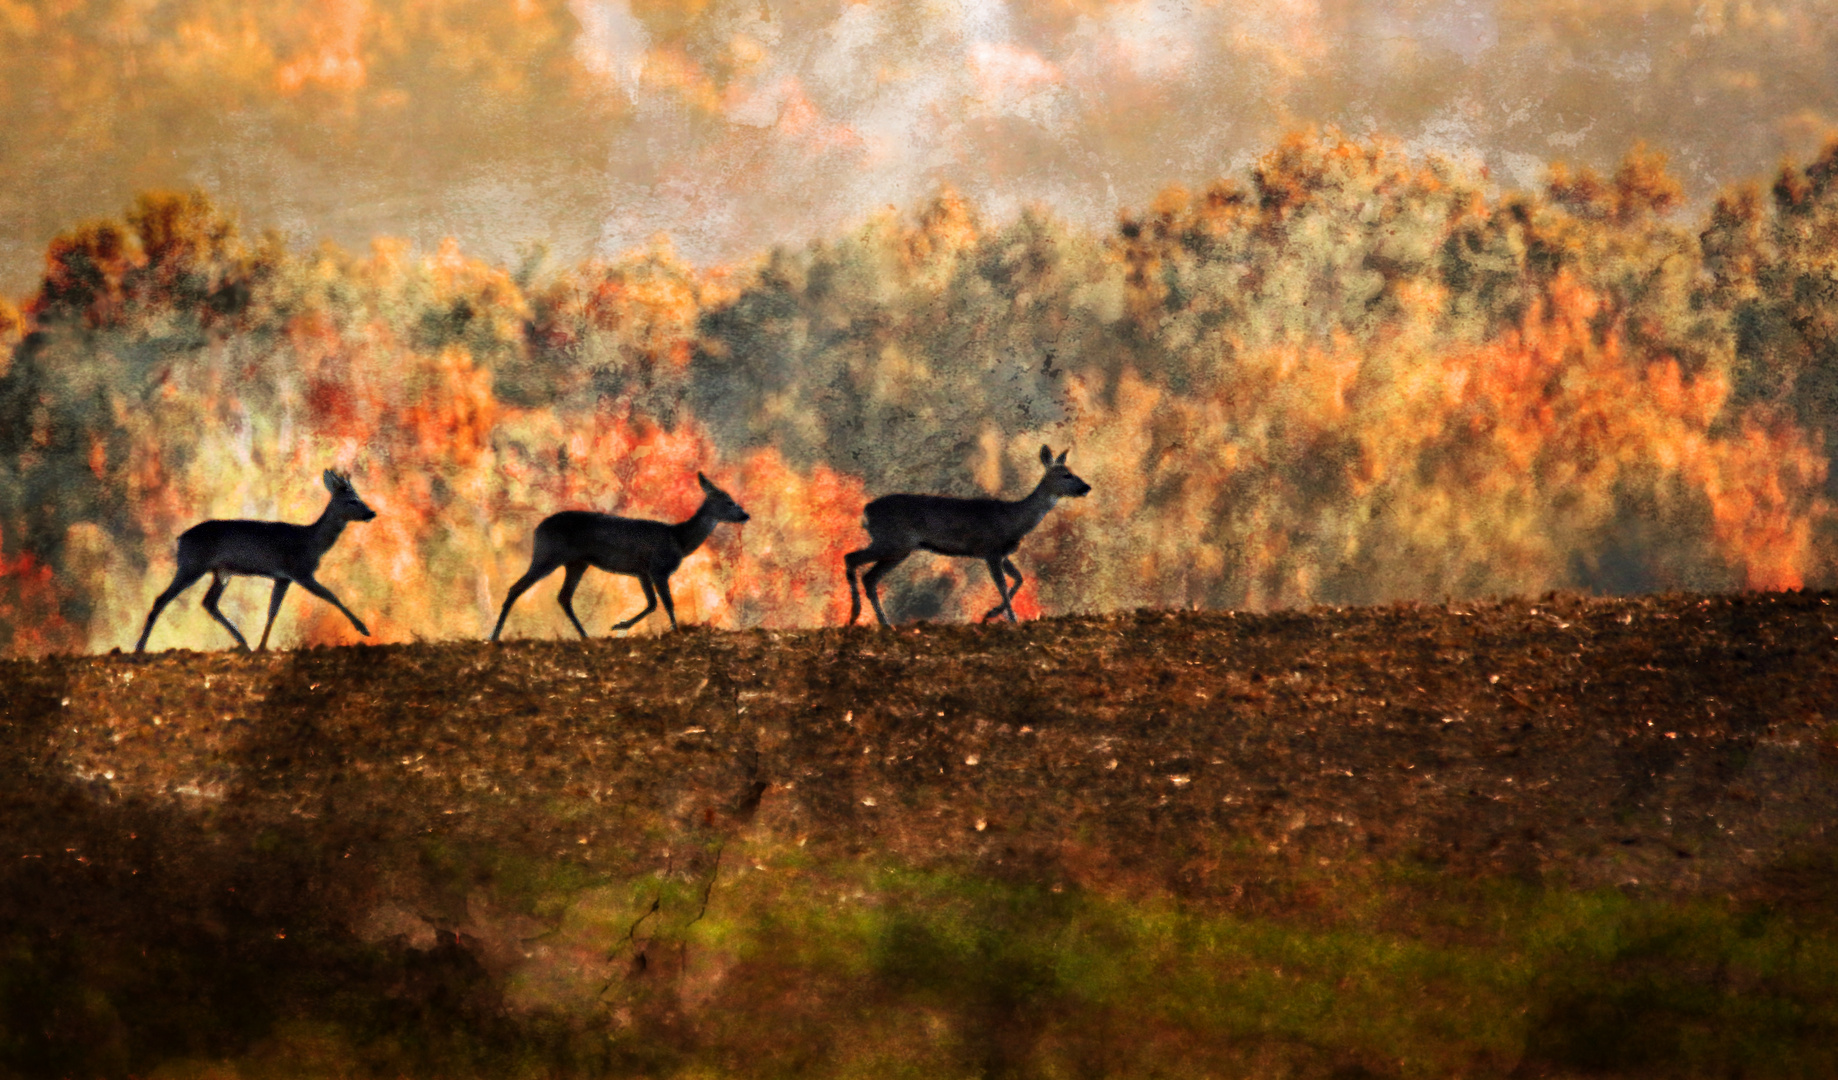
(31, 608)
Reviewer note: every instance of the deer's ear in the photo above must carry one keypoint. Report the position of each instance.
(706, 486)
(1046, 455)
(331, 481)
(1061, 460)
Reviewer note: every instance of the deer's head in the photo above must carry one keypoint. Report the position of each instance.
(345, 503)
(720, 503)
(1061, 481)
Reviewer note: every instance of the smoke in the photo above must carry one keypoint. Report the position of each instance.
(736, 125)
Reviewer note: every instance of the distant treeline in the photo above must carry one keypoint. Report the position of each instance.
(1350, 376)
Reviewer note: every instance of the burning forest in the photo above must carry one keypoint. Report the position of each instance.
(1349, 376)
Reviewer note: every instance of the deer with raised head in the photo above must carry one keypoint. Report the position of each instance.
(987, 529)
(287, 553)
(647, 550)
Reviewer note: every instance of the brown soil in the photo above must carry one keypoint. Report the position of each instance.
(1678, 742)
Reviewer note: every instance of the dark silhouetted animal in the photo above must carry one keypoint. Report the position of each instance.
(647, 550)
(272, 549)
(987, 529)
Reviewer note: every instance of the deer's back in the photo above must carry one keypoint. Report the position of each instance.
(619, 545)
(944, 524)
(264, 548)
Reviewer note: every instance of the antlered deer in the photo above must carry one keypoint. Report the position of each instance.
(987, 529)
(647, 550)
(271, 549)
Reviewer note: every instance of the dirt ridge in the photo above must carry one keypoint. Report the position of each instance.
(1683, 742)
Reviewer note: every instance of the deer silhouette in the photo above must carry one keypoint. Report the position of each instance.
(272, 549)
(647, 550)
(987, 529)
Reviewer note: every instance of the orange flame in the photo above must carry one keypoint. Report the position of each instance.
(31, 608)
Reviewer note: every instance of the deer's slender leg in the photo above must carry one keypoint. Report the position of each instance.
(999, 571)
(873, 578)
(181, 581)
(323, 593)
(663, 593)
(650, 605)
(539, 569)
(218, 581)
(850, 562)
(1008, 601)
(571, 578)
(274, 605)
(853, 561)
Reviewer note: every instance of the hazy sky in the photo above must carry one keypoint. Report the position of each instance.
(592, 124)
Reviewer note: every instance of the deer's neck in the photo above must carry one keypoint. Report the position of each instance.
(1030, 511)
(691, 533)
(325, 531)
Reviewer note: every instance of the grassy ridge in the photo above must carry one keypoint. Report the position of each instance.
(1560, 838)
